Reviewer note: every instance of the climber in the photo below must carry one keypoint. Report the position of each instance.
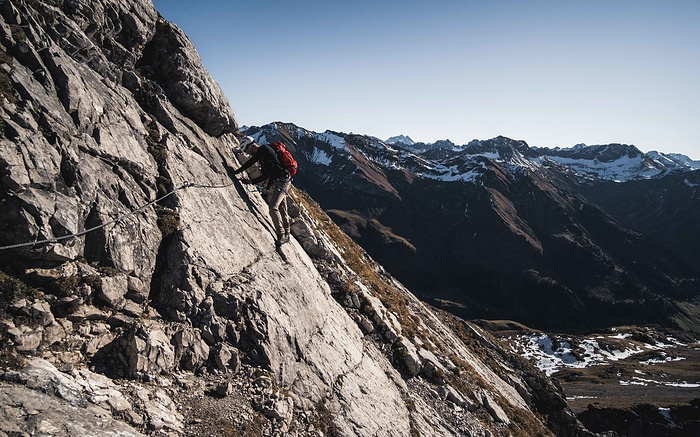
(278, 166)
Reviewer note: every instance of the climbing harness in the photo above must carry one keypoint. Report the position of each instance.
(116, 220)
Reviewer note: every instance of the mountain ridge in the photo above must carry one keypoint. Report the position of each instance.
(510, 217)
(603, 153)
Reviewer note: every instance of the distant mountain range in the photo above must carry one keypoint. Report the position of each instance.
(616, 162)
(575, 238)
(401, 139)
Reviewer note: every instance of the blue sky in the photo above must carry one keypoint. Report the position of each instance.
(552, 73)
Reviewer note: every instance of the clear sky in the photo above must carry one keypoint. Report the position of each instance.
(552, 73)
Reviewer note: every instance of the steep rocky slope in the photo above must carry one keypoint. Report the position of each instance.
(141, 289)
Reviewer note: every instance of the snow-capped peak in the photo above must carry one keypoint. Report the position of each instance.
(403, 139)
(674, 159)
(445, 160)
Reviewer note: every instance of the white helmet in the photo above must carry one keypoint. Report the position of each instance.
(246, 141)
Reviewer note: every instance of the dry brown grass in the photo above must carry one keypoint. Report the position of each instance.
(347, 215)
(524, 423)
(389, 234)
(12, 290)
(360, 263)
(503, 326)
(689, 317)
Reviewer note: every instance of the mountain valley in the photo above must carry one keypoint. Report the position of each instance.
(573, 239)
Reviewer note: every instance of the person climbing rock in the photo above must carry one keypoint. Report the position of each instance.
(278, 166)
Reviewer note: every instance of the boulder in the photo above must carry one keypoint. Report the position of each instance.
(223, 357)
(100, 390)
(451, 394)
(162, 414)
(112, 291)
(305, 235)
(224, 389)
(42, 376)
(53, 334)
(494, 409)
(408, 354)
(42, 275)
(25, 338)
(40, 312)
(137, 290)
(147, 351)
(280, 408)
(191, 349)
(30, 412)
(132, 309)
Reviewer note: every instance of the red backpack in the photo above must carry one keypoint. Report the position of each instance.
(285, 157)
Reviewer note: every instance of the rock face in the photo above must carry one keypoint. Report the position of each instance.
(151, 299)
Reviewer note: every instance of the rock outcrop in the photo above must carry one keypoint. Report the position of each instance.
(141, 289)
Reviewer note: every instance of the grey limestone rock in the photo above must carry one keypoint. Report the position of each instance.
(112, 290)
(192, 350)
(280, 408)
(147, 350)
(30, 412)
(42, 376)
(162, 414)
(25, 338)
(224, 358)
(494, 409)
(409, 355)
(41, 313)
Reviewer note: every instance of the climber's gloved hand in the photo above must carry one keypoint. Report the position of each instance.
(244, 180)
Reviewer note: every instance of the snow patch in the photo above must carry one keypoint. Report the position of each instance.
(661, 360)
(666, 413)
(573, 398)
(335, 141)
(552, 354)
(441, 172)
(635, 380)
(260, 138)
(452, 175)
(319, 157)
(622, 169)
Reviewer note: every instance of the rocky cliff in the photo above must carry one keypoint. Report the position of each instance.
(141, 289)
